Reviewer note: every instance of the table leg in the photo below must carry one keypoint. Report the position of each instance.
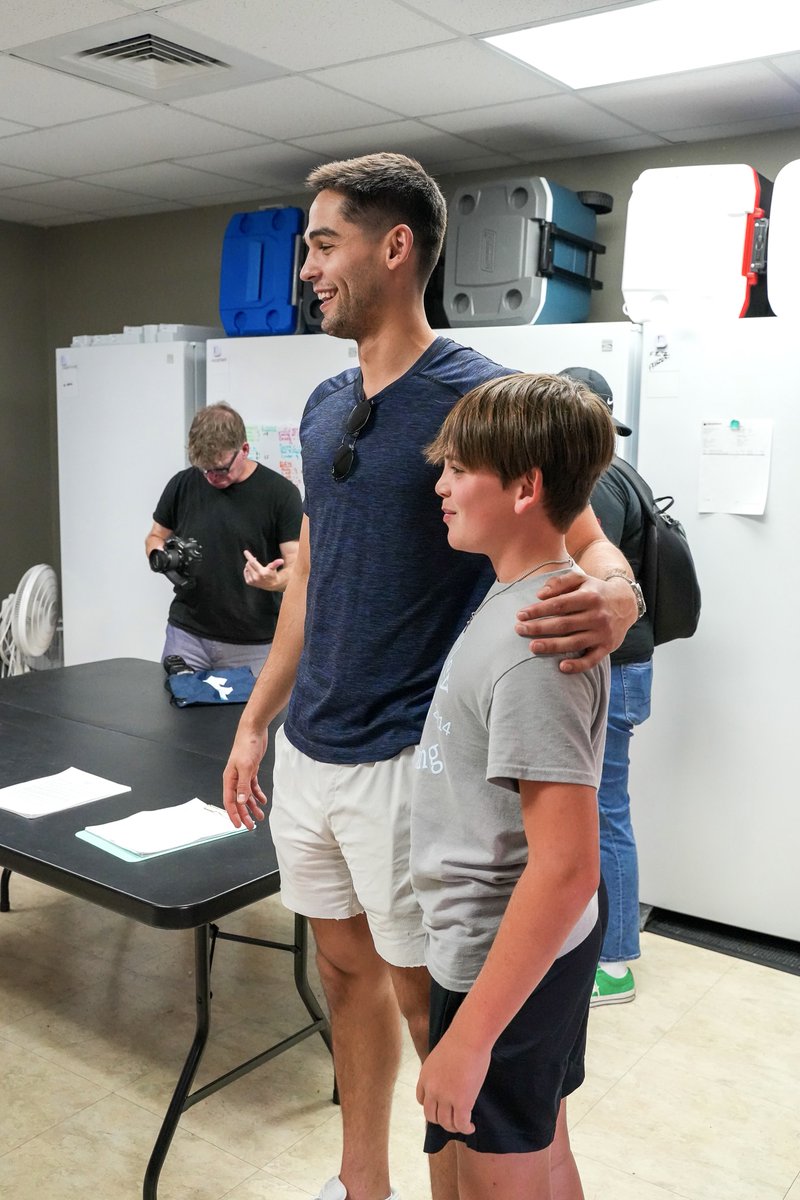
(182, 1099)
(5, 903)
(301, 979)
(202, 944)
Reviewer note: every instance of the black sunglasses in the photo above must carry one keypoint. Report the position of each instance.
(345, 457)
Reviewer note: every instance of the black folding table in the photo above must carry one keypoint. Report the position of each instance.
(114, 719)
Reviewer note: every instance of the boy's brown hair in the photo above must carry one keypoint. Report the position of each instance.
(215, 433)
(383, 190)
(513, 424)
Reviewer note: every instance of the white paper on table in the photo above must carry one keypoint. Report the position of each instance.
(157, 830)
(735, 466)
(54, 793)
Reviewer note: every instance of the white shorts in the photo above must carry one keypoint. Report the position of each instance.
(342, 837)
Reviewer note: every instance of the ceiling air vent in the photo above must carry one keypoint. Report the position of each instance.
(146, 56)
(151, 61)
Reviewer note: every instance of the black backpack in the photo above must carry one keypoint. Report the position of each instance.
(668, 577)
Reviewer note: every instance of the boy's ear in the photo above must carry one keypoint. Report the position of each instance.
(529, 490)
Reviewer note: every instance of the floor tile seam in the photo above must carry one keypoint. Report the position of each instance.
(107, 1088)
(638, 1175)
(707, 1078)
(56, 1124)
(575, 1125)
(271, 1176)
(640, 1057)
(710, 1076)
(49, 1062)
(692, 1006)
(182, 1130)
(233, 1189)
(791, 1185)
(268, 1167)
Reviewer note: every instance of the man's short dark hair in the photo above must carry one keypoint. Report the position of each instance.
(383, 190)
(513, 424)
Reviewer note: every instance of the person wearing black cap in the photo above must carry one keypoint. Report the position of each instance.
(619, 512)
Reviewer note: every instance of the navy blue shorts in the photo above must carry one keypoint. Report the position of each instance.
(536, 1062)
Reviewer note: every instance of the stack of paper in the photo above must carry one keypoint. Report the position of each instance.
(146, 834)
(54, 793)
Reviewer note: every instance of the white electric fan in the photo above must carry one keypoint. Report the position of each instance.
(28, 620)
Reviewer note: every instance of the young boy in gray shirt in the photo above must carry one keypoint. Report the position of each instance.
(505, 857)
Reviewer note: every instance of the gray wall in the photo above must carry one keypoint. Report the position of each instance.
(28, 492)
(97, 277)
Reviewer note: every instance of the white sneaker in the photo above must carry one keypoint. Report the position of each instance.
(334, 1189)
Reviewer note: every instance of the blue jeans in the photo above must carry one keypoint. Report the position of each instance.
(206, 654)
(629, 705)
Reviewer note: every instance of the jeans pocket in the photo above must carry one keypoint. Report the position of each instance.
(637, 682)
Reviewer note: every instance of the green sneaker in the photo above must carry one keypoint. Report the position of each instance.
(608, 990)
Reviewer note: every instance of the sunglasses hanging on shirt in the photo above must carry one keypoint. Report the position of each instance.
(345, 457)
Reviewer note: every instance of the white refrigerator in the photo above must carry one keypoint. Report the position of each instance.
(123, 418)
(269, 379)
(613, 348)
(715, 794)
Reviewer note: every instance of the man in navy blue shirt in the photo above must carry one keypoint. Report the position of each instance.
(376, 600)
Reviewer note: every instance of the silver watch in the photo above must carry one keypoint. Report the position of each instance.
(641, 607)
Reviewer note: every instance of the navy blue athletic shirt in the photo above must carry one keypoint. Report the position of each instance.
(387, 596)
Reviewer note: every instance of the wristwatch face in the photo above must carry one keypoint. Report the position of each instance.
(637, 591)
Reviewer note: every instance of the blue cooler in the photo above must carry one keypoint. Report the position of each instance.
(259, 274)
(521, 251)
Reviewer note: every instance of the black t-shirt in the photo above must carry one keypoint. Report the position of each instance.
(256, 515)
(619, 512)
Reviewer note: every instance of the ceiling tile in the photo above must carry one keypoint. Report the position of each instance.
(9, 128)
(24, 21)
(247, 196)
(495, 16)
(439, 79)
(472, 166)
(40, 97)
(11, 177)
(403, 137)
(26, 211)
(271, 165)
(735, 129)
(533, 126)
(788, 65)
(120, 140)
(144, 208)
(68, 219)
(695, 98)
(304, 36)
(73, 194)
(618, 145)
(165, 180)
(287, 108)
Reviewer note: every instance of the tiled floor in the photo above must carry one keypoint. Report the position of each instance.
(692, 1091)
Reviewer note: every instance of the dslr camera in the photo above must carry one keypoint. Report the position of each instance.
(178, 560)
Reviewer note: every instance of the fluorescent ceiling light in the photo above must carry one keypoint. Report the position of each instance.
(657, 38)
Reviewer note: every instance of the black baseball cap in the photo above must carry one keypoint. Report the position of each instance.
(599, 385)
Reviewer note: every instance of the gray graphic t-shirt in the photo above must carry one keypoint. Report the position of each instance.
(498, 715)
